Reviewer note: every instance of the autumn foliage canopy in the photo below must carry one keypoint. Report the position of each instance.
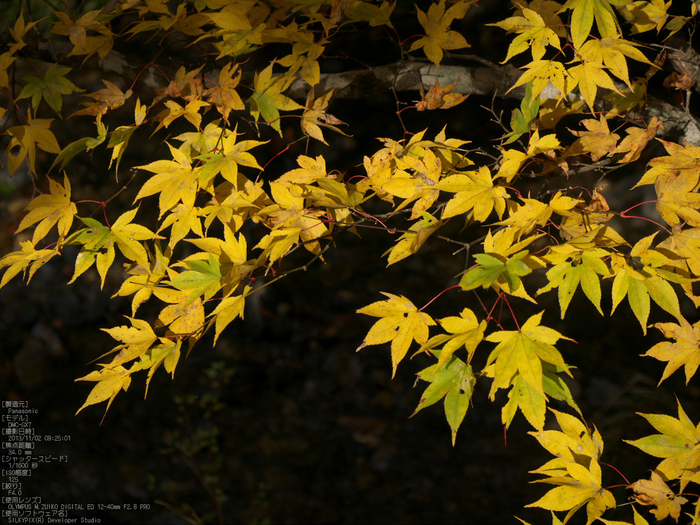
(224, 227)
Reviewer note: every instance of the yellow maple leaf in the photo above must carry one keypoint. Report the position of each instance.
(437, 30)
(584, 219)
(227, 310)
(411, 240)
(463, 331)
(182, 316)
(678, 443)
(583, 13)
(27, 259)
(583, 486)
(684, 352)
(589, 76)
(110, 382)
(18, 31)
(686, 243)
(136, 340)
(6, 60)
(534, 34)
(175, 180)
(186, 84)
(304, 58)
(27, 138)
(400, 322)
(56, 207)
(289, 217)
(226, 160)
(541, 73)
(190, 112)
(611, 53)
(315, 115)
(473, 191)
(574, 440)
(514, 159)
(579, 482)
(682, 160)
(420, 184)
(678, 198)
(183, 220)
(77, 32)
(521, 352)
(534, 213)
(127, 236)
(645, 15)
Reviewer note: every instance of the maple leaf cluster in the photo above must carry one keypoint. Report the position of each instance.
(225, 224)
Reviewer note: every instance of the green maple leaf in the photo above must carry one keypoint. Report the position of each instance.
(226, 160)
(93, 238)
(81, 145)
(453, 380)
(51, 88)
(521, 352)
(118, 141)
(98, 237)
(268, 100)
(202, 278)
(491, 267)
(521, 119)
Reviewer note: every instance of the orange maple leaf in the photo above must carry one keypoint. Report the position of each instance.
(108, 98)
(439, 97)
(655, 492)
(637, 139)
(598, 141)
(224, 96)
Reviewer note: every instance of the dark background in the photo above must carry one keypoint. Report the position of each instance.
(283, 422)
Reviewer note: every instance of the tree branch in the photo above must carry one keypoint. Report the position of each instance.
(400, 76)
